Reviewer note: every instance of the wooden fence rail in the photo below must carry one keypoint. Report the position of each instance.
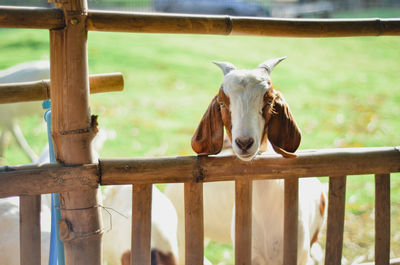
(330, 162)
(48, 18)
(55, 178)
(40, 90)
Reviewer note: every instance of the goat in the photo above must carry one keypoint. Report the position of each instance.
(10, 113)
(117, 242)
(9, 231)
(253, 113)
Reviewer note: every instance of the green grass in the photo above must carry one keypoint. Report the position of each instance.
(343, 92)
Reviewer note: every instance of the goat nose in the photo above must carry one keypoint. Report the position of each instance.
(244, 143)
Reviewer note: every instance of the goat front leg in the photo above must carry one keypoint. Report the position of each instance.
(16, 130)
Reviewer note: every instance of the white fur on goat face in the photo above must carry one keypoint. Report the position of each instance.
(245, 90)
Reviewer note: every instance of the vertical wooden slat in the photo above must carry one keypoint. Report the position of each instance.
(29, 230)
(334, 237)
(291, 221)
(194, 224)
(243, 225)
(382, 219)
(141, 224)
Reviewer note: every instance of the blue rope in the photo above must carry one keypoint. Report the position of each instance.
(56, 256)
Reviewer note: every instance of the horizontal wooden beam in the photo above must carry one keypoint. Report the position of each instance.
(48, 178)
(352, 161)
(158, 23)
(40, 179)
(51, 18)
(40, 90)
(227, 25)
(31, 17)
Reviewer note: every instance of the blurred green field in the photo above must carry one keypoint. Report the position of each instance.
(343, 92)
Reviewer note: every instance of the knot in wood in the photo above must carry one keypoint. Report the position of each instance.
(65, 230)
(74, 21)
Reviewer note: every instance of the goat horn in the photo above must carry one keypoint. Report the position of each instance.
(226, 67)
(270, 64)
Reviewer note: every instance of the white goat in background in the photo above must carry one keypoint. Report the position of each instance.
(10, 113)
(117, 240)
(164, 222)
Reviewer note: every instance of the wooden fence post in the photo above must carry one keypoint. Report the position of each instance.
(382, 219)
(73, 130)
(336, 207)
(194, 223)
(243, 221)
(29, 230)
(291, 217)
(141, 224)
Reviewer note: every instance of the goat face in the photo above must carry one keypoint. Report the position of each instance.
(252, 113)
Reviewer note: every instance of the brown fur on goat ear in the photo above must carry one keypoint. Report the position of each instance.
(283, 132)
(209, 136)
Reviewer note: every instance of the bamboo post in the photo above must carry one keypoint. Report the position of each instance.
(72, 132)
(141, 224)
(334, 236)
(194, 223)
(291, 218)
(382, 219)
(243, 221)
(40, 90)
(29, 230)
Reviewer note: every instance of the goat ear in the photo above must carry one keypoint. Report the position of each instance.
(209, 136)
(283, 132)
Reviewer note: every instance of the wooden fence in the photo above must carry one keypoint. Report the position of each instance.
(77, 178)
